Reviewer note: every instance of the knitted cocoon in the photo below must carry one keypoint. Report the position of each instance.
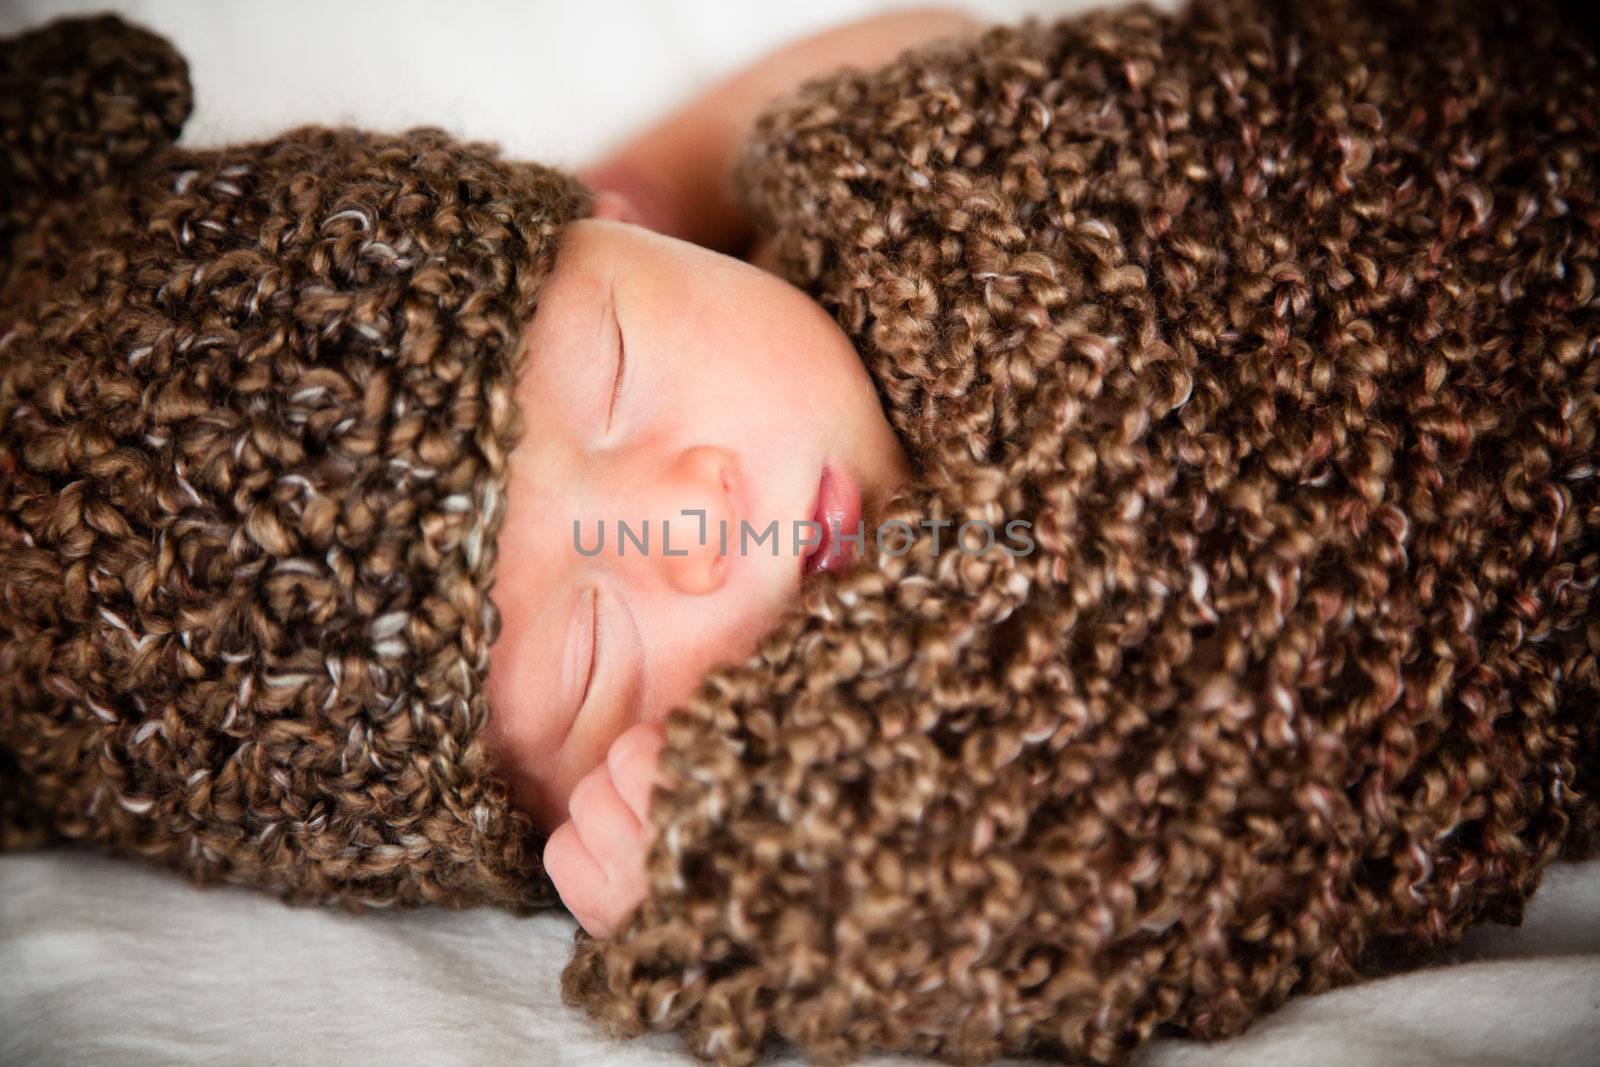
(1279, 324)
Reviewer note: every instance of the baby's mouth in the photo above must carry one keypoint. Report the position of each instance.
(838, 511)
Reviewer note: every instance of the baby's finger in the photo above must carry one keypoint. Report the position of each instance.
(605, 824)
(574, 873)
(635, 762)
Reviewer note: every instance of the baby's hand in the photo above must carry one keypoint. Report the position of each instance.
(596, 858)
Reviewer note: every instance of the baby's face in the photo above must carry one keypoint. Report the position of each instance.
(735, 393)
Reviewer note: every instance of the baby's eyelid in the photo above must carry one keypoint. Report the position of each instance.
(594, 647)
(622, 363)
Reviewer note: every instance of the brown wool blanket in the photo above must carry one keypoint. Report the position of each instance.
(1279, 323)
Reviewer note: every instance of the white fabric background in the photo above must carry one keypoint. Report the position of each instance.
(102, 961)
(551, 80)
(106, 962)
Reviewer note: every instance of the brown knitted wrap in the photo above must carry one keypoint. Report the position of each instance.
(255, 411)
(1280, 324)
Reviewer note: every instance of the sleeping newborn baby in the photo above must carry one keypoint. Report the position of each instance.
(293, 432)
(673, 390)
(700, 403)
(673, 387)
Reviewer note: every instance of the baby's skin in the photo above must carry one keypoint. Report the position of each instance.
(668, 383)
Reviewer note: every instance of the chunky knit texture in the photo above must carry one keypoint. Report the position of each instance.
(255, 412)
(1279, 322)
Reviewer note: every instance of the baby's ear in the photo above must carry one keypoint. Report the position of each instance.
(80, 100)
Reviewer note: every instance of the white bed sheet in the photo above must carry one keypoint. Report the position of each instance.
(102, 961)
(552, 80)
(105, 961)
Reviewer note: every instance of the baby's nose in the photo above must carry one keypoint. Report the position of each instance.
(697, 520)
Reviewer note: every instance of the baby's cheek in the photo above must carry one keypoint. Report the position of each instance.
(515, 759)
